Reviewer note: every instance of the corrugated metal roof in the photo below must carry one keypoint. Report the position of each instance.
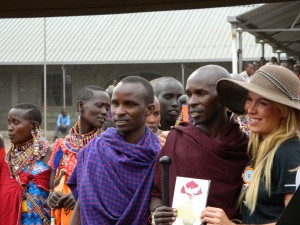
(277, 24)
(170, 36)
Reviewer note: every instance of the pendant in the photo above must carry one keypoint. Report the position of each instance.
(24, 206)
(247, 175)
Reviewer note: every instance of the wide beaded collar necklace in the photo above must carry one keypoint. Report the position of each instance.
(21, 155)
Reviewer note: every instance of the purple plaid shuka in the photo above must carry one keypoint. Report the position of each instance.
(113, 179)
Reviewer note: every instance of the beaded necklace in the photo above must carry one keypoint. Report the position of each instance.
(76, 141)
(21, 155)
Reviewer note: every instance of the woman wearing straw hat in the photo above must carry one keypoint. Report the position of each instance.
(272, 104)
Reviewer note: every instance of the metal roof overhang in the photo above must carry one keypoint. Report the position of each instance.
(277, 24)
(35, 8)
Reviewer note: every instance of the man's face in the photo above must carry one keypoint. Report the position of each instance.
(262, 62)
(129, 110)
(250, 69)
(202, 99)
(94, 111)
(115, 82)
(64, 113)
(168, 95)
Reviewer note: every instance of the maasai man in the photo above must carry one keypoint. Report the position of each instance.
(114, 172)
(168, 90)
(93, 104)
(24, 173)
(213, 148)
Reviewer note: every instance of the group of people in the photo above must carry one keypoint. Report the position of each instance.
(93, 176)
(251, 67)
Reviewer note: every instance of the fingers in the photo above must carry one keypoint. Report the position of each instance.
(163, 137)
(162, 141)
(215, 216)
(67, 201)
(54, 199)
(164, 215)
(164, 134)
(70, 202)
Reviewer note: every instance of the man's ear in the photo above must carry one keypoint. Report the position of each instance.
(150, 108)
(80, 106)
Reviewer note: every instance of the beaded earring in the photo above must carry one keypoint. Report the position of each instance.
(35, 132)
(78, 123)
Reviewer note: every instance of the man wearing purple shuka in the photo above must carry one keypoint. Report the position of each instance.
(114, 173)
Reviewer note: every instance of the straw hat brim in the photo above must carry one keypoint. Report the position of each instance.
(233, 95)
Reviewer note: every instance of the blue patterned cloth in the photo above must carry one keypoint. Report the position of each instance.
(114, 179)
(40, 197)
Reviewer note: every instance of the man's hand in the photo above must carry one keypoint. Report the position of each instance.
(164, 215)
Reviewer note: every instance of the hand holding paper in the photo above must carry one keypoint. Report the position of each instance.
(190, 197)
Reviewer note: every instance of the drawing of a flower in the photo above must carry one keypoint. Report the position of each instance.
(188, 189)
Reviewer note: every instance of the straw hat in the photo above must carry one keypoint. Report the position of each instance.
(273, 82)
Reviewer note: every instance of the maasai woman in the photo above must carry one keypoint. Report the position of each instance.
(271, 101)
(153, 120)
(92, 106)
(25, 175)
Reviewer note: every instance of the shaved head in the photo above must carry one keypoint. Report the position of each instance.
(168, 90)
(210, 73)
(160, 84)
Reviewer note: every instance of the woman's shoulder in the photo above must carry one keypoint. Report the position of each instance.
(291, 143)
(289, 147)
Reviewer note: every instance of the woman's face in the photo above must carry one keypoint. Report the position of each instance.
(153, 120)
(264, 115)
(19, 129)
(94, 111)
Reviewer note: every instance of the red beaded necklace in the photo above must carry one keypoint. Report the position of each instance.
(76, 140)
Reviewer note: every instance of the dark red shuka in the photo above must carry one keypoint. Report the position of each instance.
(196, 155)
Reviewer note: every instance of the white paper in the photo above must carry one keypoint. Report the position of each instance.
(190, 197)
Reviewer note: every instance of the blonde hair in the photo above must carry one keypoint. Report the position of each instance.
(262, 152)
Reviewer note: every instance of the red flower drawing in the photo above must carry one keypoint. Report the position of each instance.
(190, 192)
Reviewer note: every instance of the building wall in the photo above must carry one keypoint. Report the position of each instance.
(25, 83)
